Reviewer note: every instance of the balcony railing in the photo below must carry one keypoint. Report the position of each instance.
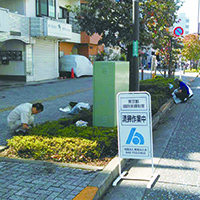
(18, 27)
(75, 27)
(72, 21)
(45, 27)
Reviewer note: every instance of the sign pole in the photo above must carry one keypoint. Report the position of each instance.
(134, 122)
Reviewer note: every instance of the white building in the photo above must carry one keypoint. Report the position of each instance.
(30, 31)
(183, 21)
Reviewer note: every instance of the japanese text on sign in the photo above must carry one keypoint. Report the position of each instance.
(134, 119)
(134, 125)
(135, 48)
(136, 151)
(134, 103)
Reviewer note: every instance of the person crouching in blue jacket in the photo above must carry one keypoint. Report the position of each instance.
(183, 92)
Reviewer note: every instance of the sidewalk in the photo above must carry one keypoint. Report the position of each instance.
(42, 180)
(176, 158)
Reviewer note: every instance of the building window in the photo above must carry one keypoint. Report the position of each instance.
(46, 8)
(70, 19)
(64, 14)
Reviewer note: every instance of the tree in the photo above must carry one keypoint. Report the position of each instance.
(156, 19)
(191, 49)
(169, 52)
(113, 21)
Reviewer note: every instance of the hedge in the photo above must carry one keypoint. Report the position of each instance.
(62, 141)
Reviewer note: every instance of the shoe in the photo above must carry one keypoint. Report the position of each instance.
(19, 132)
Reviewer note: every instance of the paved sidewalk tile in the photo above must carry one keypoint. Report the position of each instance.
(37, 182)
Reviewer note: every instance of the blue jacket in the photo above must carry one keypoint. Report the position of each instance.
(184, 87)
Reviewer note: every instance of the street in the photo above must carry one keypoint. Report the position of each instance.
(54, 94)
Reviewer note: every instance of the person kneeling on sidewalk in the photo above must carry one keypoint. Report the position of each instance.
(183, 92)
(22, 117)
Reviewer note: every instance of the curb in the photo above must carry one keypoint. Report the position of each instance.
(103, 181)
(161, 112)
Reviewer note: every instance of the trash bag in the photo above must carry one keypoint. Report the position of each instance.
(81, 123)
(78, 107)
(170, 86)
(176, 100)
(67, 109)
(74, 108)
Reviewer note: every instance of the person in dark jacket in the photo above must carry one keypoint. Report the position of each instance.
(183, 91)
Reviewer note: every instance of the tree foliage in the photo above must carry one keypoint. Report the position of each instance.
(113, 20)
(156, 19)
(191, 49)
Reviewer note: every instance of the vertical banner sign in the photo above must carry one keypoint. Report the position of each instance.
(134, 125)
(135, 48)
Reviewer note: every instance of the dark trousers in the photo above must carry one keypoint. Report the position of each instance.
(181, 95)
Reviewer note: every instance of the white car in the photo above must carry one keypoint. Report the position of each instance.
(80, 64)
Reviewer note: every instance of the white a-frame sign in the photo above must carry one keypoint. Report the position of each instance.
(134, 122)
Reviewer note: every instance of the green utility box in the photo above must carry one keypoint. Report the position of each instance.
(109, 78)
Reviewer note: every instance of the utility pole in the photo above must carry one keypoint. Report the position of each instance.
(198, 29)
(134, 61)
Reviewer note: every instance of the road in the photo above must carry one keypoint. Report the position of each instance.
(53, 94)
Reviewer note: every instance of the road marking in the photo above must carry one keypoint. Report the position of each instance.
(49, 98)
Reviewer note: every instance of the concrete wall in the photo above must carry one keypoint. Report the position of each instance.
(14, 67)
(30, 8)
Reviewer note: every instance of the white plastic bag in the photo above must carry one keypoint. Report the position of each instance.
(81, 123)
(170, 86)
(78, 107)
(176, 100)
(67, 109)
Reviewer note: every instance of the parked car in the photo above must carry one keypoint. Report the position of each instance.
(80, 64)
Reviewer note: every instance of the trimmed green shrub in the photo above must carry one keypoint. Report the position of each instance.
(57, 149)
(159, 91)
(106, 138)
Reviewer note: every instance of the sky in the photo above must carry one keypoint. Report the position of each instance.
(190, 8)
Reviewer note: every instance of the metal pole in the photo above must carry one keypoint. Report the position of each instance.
(170, 59)
(180, 67)
(198, 30)
(134, 61)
